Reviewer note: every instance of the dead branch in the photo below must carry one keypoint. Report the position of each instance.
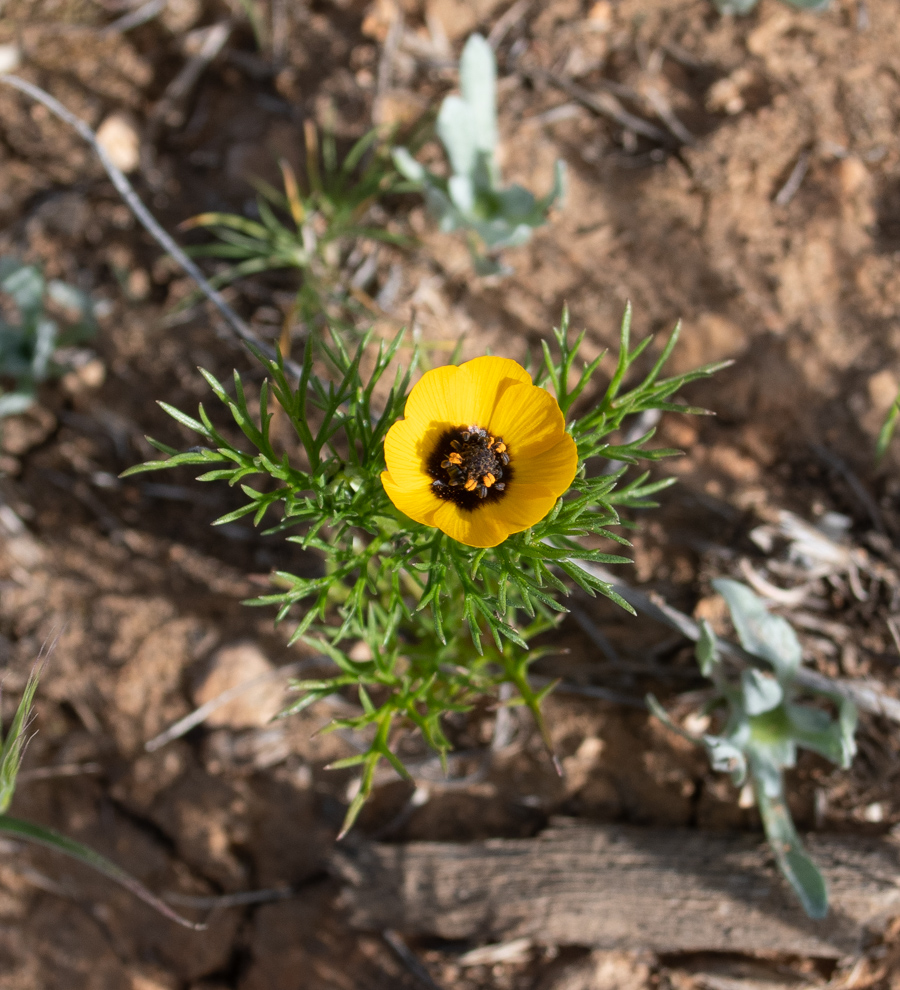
(131, 199)
(864, 696)
(621, 887)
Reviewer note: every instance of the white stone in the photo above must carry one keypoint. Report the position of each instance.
(10, 57)
(228, 669)
(119, 138)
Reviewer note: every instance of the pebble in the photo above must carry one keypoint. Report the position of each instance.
(119, 138)
(230, 667)
(10, 57)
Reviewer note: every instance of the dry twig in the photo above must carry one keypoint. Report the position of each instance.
(199, 715)
(125, 189)
(505, 21)
(667, 115)
(789, 190)
(604, 103)
(866, 697)
(135, 18)
(168, 110)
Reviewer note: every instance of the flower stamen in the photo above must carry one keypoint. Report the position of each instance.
(467, 466)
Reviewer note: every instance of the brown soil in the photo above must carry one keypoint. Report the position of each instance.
(799, 285)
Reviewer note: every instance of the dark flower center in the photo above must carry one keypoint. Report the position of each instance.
(469, 467)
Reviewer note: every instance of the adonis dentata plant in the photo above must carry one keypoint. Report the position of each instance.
(451, 517)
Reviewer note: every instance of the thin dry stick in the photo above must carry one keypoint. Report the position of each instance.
(409, 959)
(134, 18)
(147, 220)
(789, 190)
(199, 715)
(505, 21)
(604, 104)
(894, 630)
(667, 115)
(61, 770)
(589, 691)
(386, 62)
(168, 110)
(859, 490)
(866, 698)
(280, 31)
(241, 899)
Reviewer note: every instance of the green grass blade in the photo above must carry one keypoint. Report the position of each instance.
(14, 743)
(887, 430)
(61, 843)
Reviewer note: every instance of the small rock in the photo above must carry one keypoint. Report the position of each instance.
(10, 57)
(118, 137)
(399, 107)
(378, 19)
(600, 16)
(138, 284)
(85, 376)
(458, 19)
(230, 667)
(149, 980)
(727, 95)
(600, 971)
(883, 388)
(763, 39)
(27, 430)
(181, 15)
(708, 337)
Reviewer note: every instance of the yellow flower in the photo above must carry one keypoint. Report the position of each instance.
(481, 452)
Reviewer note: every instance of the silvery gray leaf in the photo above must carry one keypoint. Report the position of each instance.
(558, 192)
(462, 194)
(725, 757)
(407, 166)
(762, 634)
(707, 649)
(762, 692)
(478, 83)
(456, 129)
(12, 403)
(517, 203)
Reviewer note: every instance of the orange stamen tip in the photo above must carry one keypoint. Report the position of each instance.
(488, 480)
(471, 485)
(455, 458)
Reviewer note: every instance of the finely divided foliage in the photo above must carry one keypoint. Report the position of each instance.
(400, 586)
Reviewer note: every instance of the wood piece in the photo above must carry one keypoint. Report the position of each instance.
(621, 887)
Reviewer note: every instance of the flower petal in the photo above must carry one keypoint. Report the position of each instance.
(529, 420)
(436, 398)
(523, 506)
(419, 503)
(553, 468)
(482, 383)
(476, 528)
(496, 394)
(464, 395)
(407, 448)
